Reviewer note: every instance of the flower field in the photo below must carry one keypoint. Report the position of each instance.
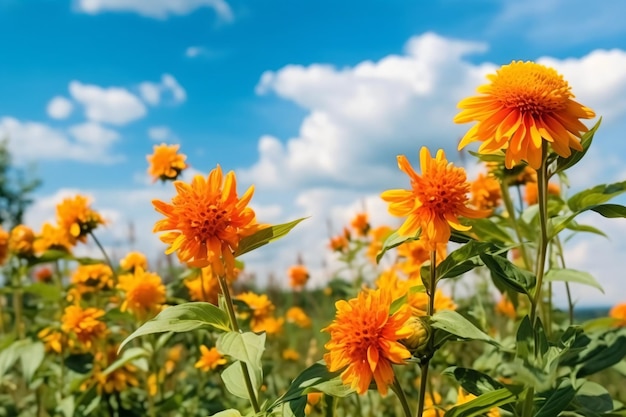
(389, 335)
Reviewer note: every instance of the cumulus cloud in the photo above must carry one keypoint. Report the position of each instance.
(359, 118)
(114, 105)
(168, 86)
(161, 134)
(157, 9)
(37, 141)
(59, 107)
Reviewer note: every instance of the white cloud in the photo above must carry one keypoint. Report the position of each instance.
(195, 51)
(114, 105)
(151, 92)
(94, 134)
(161, 134)
(37, 141)
(59, 107)
(359, 118)
(158, 9)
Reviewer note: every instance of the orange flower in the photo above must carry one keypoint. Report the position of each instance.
(270, 325)
(145, 292)
(4, 245)
(619, 312)
(506, 308)
(413, 254)
(21, 241)
(93, 278)
(437, 198)
(532, 192)
(486, 193)
(206, 220)
(360, 224)
(210, 359)
(340, 242)
(524, 104)
(85, 324)
(297, 316)
(432, 405)
(364, 340)
(53, 238)
(419, 302)
(166, 163)
(312, 398)
(298, 276)
(53, 339)
(117, 380)
(43, 274)
(77, 218)
(378, 235)
(204, 287)
(291, 355)
(134, 260)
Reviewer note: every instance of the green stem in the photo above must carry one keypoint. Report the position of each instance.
(18, 303)
(508, 204)
(397, 388)
(570, 303)
(542, 184)
(105, 254)
(529, 403)
(431, 290)
(233, 321)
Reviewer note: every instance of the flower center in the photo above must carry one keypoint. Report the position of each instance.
(206, 221)
(531, 88)
(443, 190)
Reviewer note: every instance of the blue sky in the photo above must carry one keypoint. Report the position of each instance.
(311, 101)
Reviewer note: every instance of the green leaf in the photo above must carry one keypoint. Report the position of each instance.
(481, 405)
(264, 236)
(66, 406)
(31, 357)
(603, 354)
(508, 274)
(488, 230)
(594, 196)
(247, 347)
(317, 377)
(81, 363)
(453, 322)
(231, 412)
(463, 259)
(393, 241)
(611, 211)
(563, 164)
(572, 275)
(572, 225)
(183, 318)
(594, 398)
(45, 291)
(10, 354)
(472, 381)
(524, 337)
(235, 383)
(557, 400)
(396, 304)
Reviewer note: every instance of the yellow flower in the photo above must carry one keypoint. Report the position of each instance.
(364, 340)
(524, 104)
(4, 245)
(298, 276)
(291, 355)
(76, 217)
(21, 241)
(84, 323)
(144, 292)
(437, 198)
(312, 398)
(413, 254)
(115, 381)
(166, 163)
(204, 287)
(53, 339)
(432, 405)
(93, 278)
(463, 398)
(206, 220)
(486, 193)
(53, 238)
(619, 312)
(134, 260)
(297, 316)
(360, 224)
(419, 302)
(210, 359)
(260, 308)
(174, 355)
(270, 325)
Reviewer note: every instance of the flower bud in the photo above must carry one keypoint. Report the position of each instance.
(418, 340)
